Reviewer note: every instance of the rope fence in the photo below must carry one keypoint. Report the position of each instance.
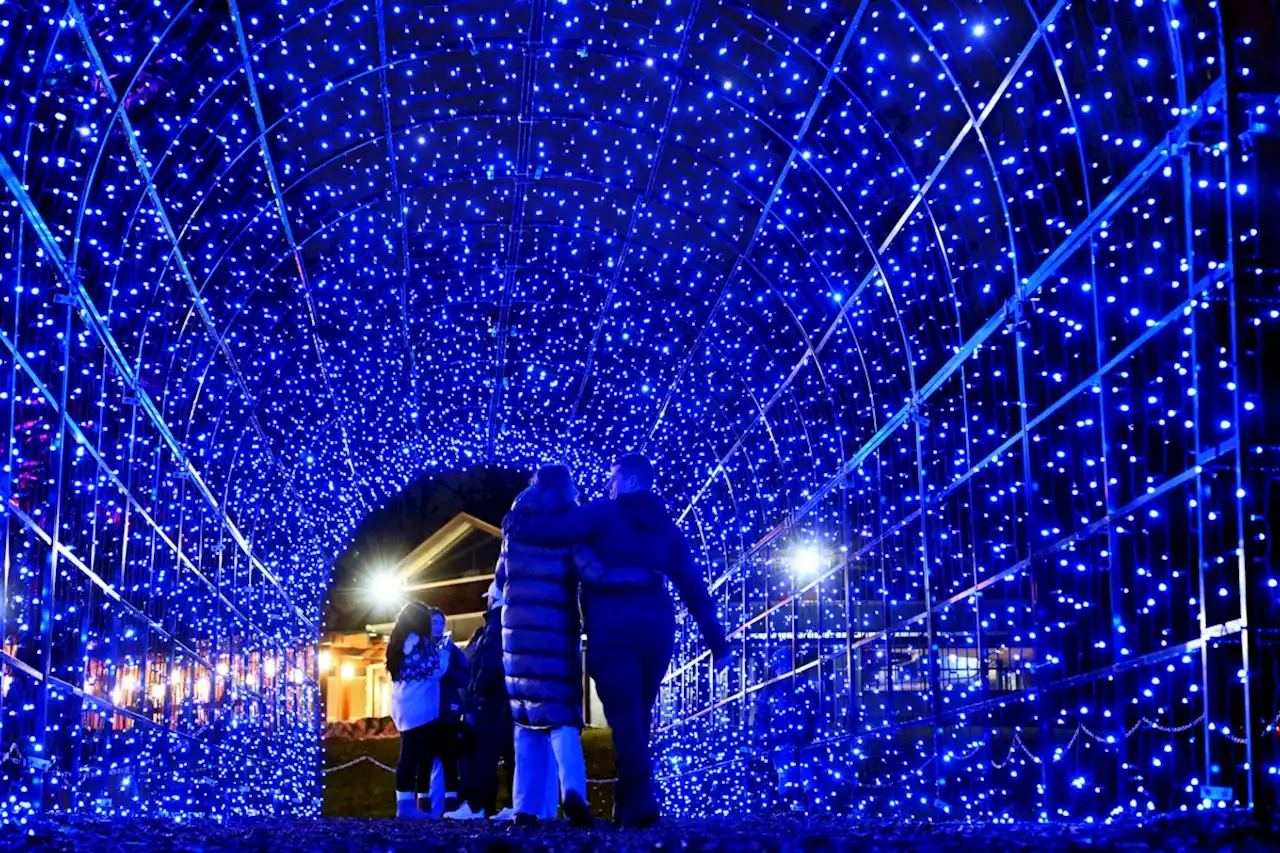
(1016, 745)
(369, 758)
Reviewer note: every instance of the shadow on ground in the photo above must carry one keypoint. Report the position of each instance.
(1227, 832)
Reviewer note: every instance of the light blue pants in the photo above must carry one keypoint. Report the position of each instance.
(548, 763)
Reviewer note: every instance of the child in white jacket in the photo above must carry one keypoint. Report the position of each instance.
(416, 660)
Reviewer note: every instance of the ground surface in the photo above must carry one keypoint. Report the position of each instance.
(1220, 832)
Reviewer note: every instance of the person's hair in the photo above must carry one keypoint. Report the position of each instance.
(551, 488)
(414, 618)
(635, 472)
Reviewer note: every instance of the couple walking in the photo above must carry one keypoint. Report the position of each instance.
(599, 568)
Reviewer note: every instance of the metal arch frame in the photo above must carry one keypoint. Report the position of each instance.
(1164, 323)
(306, 102)
(812, 112)
(350, 211)
(83, 440)
(118, 109)
(1126, 188)
(304, 283)
(1122, 193)
(625, 55)
(750, 115)
(116, 351)
(925, 391)
(520, 180)
(97, 325)
(385, 93)
(857, 342)
(641, 201)
(935, 692)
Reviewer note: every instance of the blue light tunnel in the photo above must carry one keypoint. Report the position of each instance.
(944, 321)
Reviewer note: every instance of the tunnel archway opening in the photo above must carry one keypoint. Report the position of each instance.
(392, 531)
(944, 323)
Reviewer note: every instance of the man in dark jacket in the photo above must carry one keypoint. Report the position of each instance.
(488, 714)
(630, 626)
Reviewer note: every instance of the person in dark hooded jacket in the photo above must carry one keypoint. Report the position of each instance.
(542, 652)
(488, 715)
(629, 614)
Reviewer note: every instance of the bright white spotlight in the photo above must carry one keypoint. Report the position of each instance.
(806, 562)
(385, 588)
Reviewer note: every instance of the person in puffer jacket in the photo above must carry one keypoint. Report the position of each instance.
(629, 614)
(542, 652)
(416, 661)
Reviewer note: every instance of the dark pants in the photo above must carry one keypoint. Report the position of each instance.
(628, 666)
(494, 736)
(419, 749)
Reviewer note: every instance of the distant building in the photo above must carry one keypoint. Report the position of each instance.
(459, 558)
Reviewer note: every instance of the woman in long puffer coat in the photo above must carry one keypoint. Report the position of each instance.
(542, 653)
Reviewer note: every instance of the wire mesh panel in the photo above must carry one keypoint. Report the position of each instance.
(1044, 615)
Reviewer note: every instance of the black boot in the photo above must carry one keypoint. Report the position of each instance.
(526, 819)
(577, 810)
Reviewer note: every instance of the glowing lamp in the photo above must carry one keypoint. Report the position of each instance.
(806, 562)
(385, 589)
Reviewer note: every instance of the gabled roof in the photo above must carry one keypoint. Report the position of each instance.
(441, 542)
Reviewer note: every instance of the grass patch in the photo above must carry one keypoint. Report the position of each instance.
(366, 790)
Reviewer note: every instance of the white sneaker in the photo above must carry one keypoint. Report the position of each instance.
(507, 814)
(464, 812)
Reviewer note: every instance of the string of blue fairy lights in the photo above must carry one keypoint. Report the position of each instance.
(943, 322)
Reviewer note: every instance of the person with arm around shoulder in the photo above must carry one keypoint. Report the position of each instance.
(542, 653)
(629, 614)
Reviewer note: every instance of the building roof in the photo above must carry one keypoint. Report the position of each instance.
(440, 543)
(461, 598)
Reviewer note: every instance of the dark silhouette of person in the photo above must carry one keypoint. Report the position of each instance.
(488, 715)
